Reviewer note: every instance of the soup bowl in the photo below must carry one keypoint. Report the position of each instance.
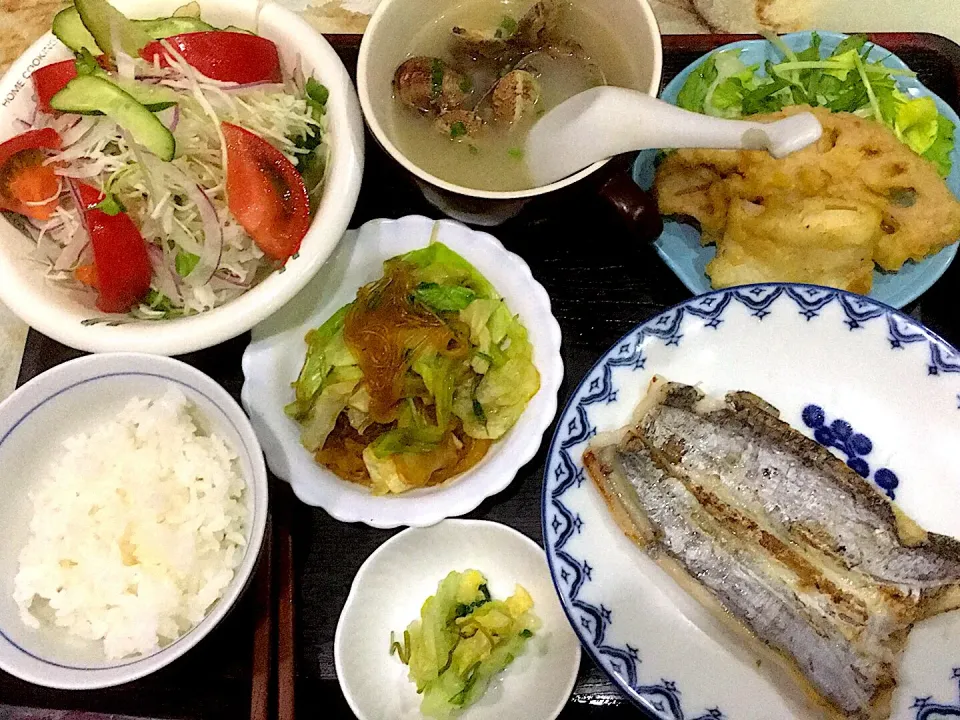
(390, 38)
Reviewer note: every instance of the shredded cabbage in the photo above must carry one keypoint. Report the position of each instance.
(450, 401)
(162, 198)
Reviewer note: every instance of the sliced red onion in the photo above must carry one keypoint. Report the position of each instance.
(72, 250)
(230, 278)
(218, 283)
(45, 225)
(164, 278)
(170, 117)
(76, 128)
(75, 194)
(212, 237)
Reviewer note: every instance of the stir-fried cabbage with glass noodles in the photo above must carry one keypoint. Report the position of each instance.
(412, 382)
(218, 213)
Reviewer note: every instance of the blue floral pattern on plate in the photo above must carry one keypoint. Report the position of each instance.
(565, 475)
(679, 245)
(856, 446)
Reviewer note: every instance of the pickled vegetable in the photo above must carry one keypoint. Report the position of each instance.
(462, 640)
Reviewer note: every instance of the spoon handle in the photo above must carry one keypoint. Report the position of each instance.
(607, 121)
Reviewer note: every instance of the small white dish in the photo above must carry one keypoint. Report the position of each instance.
(403, 572)
(34, 422)
(276, 352)
(71, 318)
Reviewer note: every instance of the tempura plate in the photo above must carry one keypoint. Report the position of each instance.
(679, 245)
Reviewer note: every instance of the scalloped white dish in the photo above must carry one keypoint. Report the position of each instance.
(276, 352)
(407, 569)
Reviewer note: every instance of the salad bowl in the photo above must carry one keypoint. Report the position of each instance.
(70, 316)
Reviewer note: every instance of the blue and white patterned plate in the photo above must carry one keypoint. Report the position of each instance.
(679, 245)
(878, 388)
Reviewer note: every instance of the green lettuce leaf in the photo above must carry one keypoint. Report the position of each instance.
(693, 94)
(915, 123)
(939, 152)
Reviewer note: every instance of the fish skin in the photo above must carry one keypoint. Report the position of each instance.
(797, 547)
(750, 588)
(799, 483)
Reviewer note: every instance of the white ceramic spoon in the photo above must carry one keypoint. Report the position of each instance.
(606, 121)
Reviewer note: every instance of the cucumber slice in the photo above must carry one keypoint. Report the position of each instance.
(169, 26)
(104, 22)
(69, 29)
(89, 94)
(153, 98)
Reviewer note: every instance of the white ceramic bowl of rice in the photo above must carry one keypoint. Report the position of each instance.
(131, 527)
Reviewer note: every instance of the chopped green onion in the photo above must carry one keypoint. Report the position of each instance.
(515, 153)
(402, 651)
(436, 76)
(458, 129)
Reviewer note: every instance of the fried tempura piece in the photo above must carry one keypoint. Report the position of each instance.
(817, 240)
(857, 162)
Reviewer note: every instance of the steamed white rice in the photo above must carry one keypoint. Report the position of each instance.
(136, 530)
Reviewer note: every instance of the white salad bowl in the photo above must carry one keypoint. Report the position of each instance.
(34, 422)
(70, 316)
(275, 355)
(405, 571)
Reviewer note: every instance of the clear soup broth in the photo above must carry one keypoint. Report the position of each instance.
(478, 77)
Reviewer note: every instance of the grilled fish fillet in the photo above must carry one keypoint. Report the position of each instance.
(794, 545)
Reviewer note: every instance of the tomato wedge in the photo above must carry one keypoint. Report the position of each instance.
(265, 193)
(27, 186)
(51, 79)
(121, 271)
(222, 55)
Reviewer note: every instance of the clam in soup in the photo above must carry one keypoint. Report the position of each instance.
(478, 77)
